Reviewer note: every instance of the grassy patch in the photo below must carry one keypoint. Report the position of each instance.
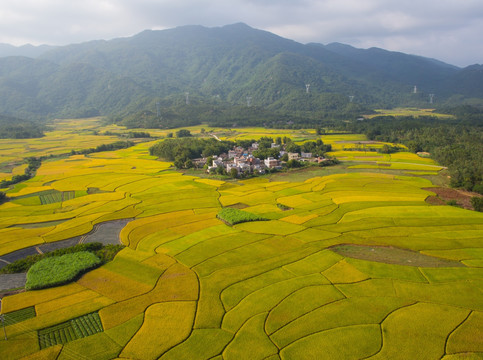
(234, 216)
(105, 253)
(55, 271)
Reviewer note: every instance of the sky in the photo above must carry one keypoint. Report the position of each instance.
(447, 30)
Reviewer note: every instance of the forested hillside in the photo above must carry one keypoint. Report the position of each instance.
(158, 71)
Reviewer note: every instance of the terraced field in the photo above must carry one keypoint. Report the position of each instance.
(189, 286)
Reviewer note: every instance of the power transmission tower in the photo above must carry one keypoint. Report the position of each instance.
(351, 97)
(307, 88)
(187, 98)
(431, 97)
(249, 101)
(415, 90)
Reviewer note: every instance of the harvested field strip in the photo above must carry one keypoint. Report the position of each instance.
(392, 255)
(74, 329)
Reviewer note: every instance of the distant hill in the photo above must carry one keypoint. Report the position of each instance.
(230, 65)
(24, 50)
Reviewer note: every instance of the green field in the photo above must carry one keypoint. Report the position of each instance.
(352, 264)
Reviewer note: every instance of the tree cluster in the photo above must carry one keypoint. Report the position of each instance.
(182, 150)
(13, 128)
(457, 143)
(33, 164)
(104, 147)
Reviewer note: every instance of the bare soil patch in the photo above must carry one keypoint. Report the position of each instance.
(238, 206)
(435, 200)
(462, 197)
(392, 255)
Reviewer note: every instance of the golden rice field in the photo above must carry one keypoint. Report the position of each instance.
(188, 286)
(408, 112)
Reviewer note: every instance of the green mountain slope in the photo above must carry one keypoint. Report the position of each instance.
(229, 65)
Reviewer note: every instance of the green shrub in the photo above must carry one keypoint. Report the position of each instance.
(235, 216)
(108, 252)
(54, 271)
(23, 265)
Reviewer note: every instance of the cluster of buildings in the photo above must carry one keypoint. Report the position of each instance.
(243, 160)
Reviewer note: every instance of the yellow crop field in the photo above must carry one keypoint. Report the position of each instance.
(173, 319)
(408, 112)
(189, 286)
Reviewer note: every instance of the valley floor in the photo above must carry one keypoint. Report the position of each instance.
(188, 286)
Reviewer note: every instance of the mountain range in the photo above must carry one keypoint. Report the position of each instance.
(230, 65)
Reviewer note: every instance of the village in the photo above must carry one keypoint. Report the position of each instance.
(241, 161)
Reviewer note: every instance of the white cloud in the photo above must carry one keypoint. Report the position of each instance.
(445, 29)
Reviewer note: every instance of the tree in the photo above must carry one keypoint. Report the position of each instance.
(220, 170)
(293, 164)
(188, 164)
(183, 133)
(234, 173)
(3, 197)
(477, 203)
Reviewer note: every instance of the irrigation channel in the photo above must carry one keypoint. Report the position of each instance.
(105, 233)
